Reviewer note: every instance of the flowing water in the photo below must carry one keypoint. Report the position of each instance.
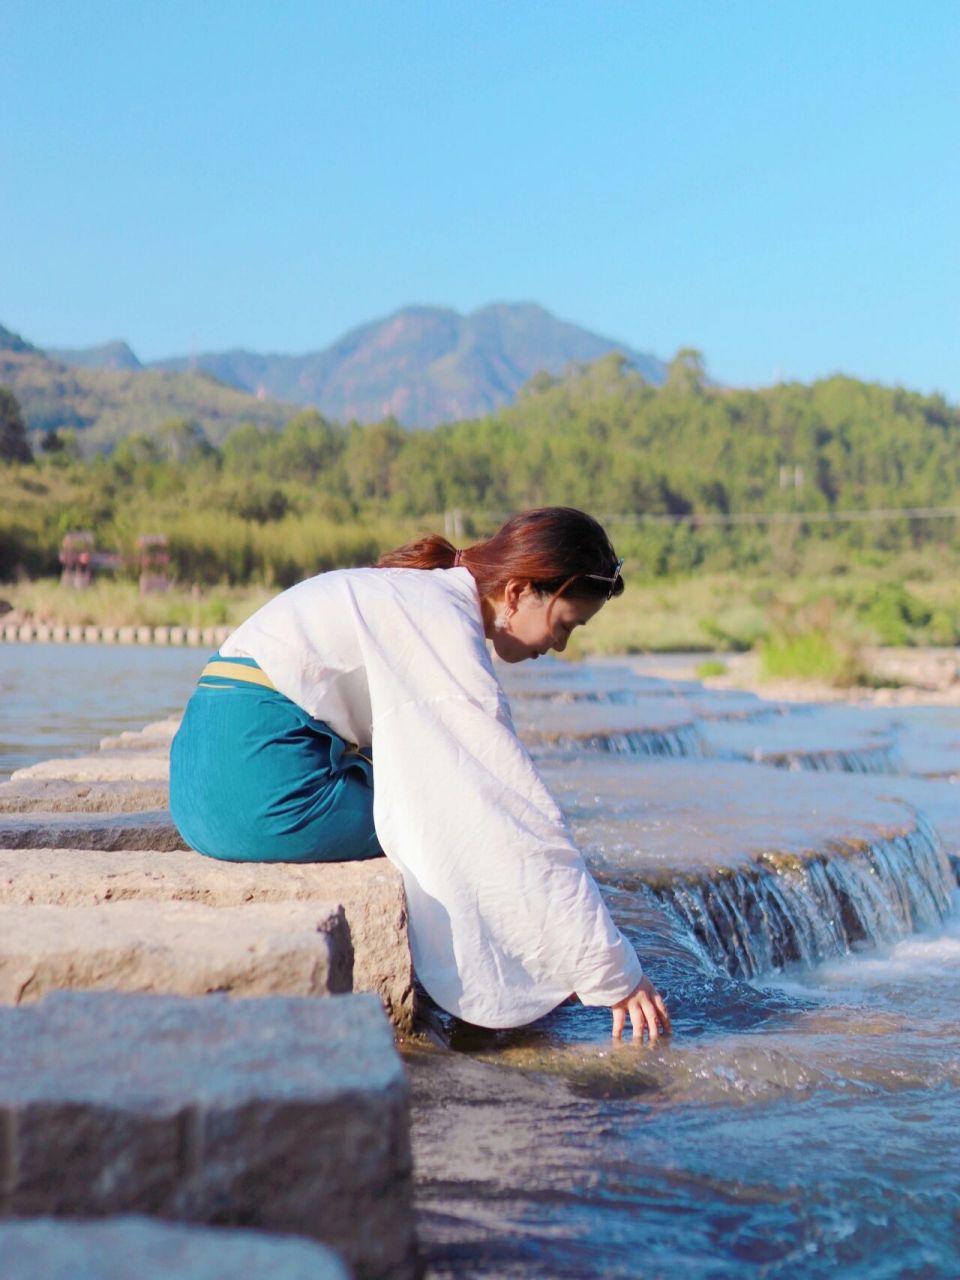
(786, 874)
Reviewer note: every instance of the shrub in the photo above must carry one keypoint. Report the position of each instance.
(712, 667)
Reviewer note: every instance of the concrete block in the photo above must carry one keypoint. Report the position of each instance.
(58, 795)
(153, 830)
(25, 632)
(126, 635)
(154, 737)
(281, 1114)
(144, 635)
(194, 636)
(209, 637)
(371, 894)
(177, 635)
(135, 1246)
(108, 635)
(75, 633)
(59, 633)
(91, 635)
(44, 633)
(181, 948)
(161, 635)
(108, 766)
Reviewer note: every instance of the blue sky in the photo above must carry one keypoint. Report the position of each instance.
(776, 182)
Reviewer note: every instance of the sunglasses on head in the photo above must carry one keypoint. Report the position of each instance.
(603, 577)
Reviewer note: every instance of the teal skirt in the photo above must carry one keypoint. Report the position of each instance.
(254, 778)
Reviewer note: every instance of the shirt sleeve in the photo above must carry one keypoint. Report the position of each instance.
(505, 919)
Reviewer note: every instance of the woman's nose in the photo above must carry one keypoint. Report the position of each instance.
(560, 644)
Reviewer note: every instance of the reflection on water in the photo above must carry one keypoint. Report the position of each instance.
(803, 1119)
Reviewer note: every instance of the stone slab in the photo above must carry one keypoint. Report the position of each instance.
(543, 720)
(153, 737)
(282, 1114)
(661, 822)
(138, 1248)
(174, 947)
(57, 795)
(153, 830)
(108, 766)
(370, 892)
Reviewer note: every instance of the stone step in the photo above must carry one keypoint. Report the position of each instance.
(154, 737)
(106, 766)
(140, 1247)
(370, 893)
(58, 795)
(110, 831)
(182, 948)
(282, 1114)
(765, 866)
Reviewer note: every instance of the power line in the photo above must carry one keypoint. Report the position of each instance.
(789, 517)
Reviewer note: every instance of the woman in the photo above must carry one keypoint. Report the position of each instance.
(274, 761)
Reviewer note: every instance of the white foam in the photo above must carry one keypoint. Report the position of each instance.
(922, 955)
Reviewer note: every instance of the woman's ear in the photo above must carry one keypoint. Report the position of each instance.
(513, 591)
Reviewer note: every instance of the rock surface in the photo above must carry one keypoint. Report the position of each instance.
(283, 1114)
(182, 948)
(154, 830)
(153, 737)
(141, 1248)
(57, 795)
(108, 766)
(370, 893)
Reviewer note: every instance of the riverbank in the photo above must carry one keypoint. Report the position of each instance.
(903, 677)
(903, 603)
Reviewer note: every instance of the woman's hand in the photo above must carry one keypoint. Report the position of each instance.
(647, 1013)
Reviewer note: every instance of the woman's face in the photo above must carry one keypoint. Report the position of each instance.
(535, 624)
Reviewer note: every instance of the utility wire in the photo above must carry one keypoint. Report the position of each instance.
(759, 517)
(792, 517)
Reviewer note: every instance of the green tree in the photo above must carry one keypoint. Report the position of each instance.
(182, 440)
(686, 372)
(13, 434)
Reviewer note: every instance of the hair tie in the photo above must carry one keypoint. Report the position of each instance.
(457, 557)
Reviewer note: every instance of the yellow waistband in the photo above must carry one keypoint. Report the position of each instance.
(237, 671)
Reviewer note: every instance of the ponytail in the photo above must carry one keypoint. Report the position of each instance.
(429, 552)
(559, 550)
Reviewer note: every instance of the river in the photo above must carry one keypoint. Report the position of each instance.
(802, 1121)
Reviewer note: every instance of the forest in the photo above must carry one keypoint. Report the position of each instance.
(690, 478)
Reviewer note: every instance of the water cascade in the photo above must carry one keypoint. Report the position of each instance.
(785, 909)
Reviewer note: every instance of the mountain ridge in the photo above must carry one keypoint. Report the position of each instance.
(421, 364)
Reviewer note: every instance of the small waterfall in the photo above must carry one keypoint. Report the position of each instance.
(882, 758)
(682, 740)
(783, 909)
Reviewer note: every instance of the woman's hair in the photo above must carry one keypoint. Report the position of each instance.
(560, 550)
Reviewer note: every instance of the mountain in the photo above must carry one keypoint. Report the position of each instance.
(104, 405)
(112, 355)
(12, 342)
(421, 365)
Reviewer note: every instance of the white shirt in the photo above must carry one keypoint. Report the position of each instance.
(505, 920)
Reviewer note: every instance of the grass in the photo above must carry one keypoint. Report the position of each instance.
(712, 667)
(811, 655)
(109, 603)
(811, 626)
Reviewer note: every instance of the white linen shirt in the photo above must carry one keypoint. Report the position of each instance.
(505, 920)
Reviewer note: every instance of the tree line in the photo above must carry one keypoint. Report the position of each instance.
(273, 505)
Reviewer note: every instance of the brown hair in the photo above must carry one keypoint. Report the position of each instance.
(554, 548)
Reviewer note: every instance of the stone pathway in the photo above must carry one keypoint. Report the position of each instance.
(283, 1114)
